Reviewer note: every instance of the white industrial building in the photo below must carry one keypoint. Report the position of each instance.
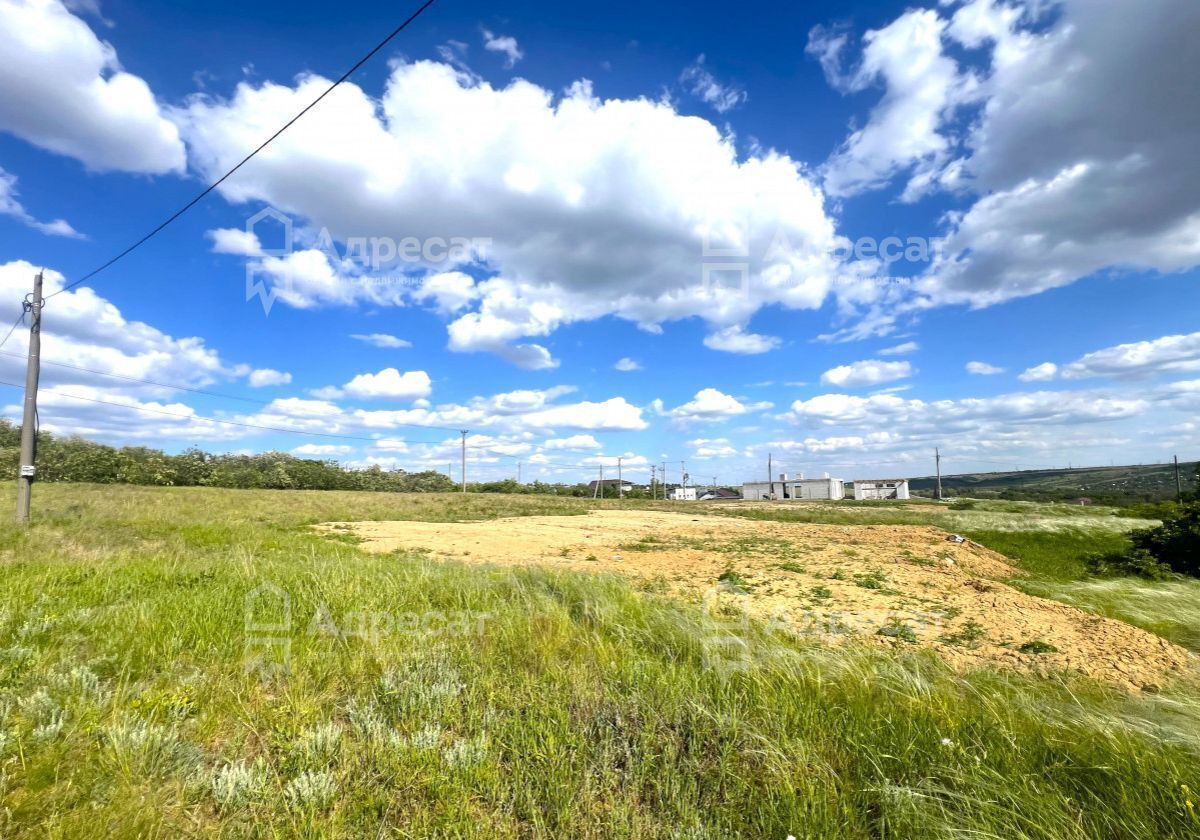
(682, 494)
(880, 488)
(794, 489)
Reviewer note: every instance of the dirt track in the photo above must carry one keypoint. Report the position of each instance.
(832, 580)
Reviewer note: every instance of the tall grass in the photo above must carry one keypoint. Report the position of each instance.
(1169, 608)
(564, 706)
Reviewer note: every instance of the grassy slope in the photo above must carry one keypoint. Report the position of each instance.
(1131, 482)
(582, 708)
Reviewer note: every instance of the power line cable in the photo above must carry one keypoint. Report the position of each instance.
(247, 158)
(12, 329)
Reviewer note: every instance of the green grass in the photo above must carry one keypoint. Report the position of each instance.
(429, 699)
(1169, 608)
(1057, 555)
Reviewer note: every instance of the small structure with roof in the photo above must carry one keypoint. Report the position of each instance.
(794, 489)
(876, 489)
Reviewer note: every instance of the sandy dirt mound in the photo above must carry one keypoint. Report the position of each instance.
(909, 582)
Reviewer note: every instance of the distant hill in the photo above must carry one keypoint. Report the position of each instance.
(1111, 485)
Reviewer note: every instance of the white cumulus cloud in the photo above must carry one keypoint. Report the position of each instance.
(983, 369)
(383, 340)
(1039, 373)
(591, 207)
(390, 383)
(264, 377)
(867, 373)
(63, 89)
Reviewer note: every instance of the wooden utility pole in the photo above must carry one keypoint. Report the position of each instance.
(464, 460)
(770, 477)
(29, 421)
(1178, 483)
(653, 483)
(937, 459)
(518, 472)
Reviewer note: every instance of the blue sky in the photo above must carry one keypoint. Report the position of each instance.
(667, 219)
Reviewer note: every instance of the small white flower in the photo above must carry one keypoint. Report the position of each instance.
(946, 742)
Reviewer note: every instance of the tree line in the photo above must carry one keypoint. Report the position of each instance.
(76, 459)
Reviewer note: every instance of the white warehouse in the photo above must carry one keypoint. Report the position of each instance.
(880, 488)
(794, 489)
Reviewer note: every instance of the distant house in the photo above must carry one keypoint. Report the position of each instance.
(794, 489)
(682, 494)
(610, 486)
(880, 488)
(718, 494)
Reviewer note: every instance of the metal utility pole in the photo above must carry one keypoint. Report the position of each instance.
(937, 459)
(664, 480)
(653, 483)
(620, 481)
(29, 421)
(683, 476)
(1178, 484)
(770, 477)
(518, 472)
(464, 460)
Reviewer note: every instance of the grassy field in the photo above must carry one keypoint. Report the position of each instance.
(1131, 483)
(143, 694)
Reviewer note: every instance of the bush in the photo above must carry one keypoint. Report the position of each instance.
(1135, 562)
(1150, 510)
(1175, 543)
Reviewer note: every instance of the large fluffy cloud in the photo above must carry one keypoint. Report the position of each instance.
(922, 86)
(63, 89)
(1079, 157)
(592, 207)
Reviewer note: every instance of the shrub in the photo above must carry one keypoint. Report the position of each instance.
(897, 629)
(1135, 562)
(1037, 647)
(311, 790)
(1175, 543)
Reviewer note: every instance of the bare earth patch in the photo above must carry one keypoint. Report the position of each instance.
(831, 580)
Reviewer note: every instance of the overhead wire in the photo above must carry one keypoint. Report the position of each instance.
(212, 186)
(13, 329)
